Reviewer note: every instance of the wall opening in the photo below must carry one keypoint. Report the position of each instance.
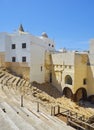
(81, 94)
(41, 68)
(67, 92)
(68, 80)
(50, 77)
(84, 81)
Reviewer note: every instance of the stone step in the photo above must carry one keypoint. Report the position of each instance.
(39, 123)
(1, 75)
(47, 120)
(10, 97)
(46, 123)
(31, 118)
(2, 78)
(2, 94)
(54, 125)
(6, 123)
(57, 122)
(16, 118)
(54, 120)
(35, 122)
(5, 79)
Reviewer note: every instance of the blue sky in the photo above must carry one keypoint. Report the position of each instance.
(70, 23)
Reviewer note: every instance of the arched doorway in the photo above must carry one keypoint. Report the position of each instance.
(81, 93)
(68, 80)
(67, 92)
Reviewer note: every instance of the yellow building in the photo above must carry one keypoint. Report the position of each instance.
(69, 73)
(73, 73)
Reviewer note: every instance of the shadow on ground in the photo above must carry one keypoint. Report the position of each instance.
(86, 104)
(48, 88)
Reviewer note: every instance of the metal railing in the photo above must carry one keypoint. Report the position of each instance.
(73, 118)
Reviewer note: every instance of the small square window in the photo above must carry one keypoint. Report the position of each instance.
(23, 59)
(23, 45)
(84, 81)
(13, 59)
(13, 46)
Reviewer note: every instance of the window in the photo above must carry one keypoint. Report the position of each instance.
(50, 77)
(68, 80)
(41, 68)
(49, 44)
(84, 81)
(13, 46)
(13, 59)
(23, 45)
(23, 59)
(52, 45)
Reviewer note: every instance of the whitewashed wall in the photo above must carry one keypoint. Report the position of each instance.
(63, 58)
(38, 48)
(18, 39)
(34, 52)
(37, 61)
(3, 36)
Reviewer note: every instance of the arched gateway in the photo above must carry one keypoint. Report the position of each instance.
(81, 93)
(67, 92)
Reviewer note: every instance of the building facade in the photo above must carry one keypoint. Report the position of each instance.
(24, 54)
(70, 73)
(35, 59)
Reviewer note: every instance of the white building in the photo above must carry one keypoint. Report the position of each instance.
(25, 53)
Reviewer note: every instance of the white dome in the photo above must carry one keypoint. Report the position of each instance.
(44, 34)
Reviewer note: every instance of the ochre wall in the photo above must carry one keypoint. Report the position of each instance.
(2, 59)
(76, 69)
(90, 80)
(63, 65)
(59, 73)
(80, 71)
(19, 69)
(48, 66)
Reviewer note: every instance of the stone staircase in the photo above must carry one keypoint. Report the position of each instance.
(6, 123)
(15, 117)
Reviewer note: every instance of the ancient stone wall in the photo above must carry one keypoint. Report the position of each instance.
(19, 70)
(2, 59)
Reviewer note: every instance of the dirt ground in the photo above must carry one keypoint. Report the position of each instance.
(50, 96)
